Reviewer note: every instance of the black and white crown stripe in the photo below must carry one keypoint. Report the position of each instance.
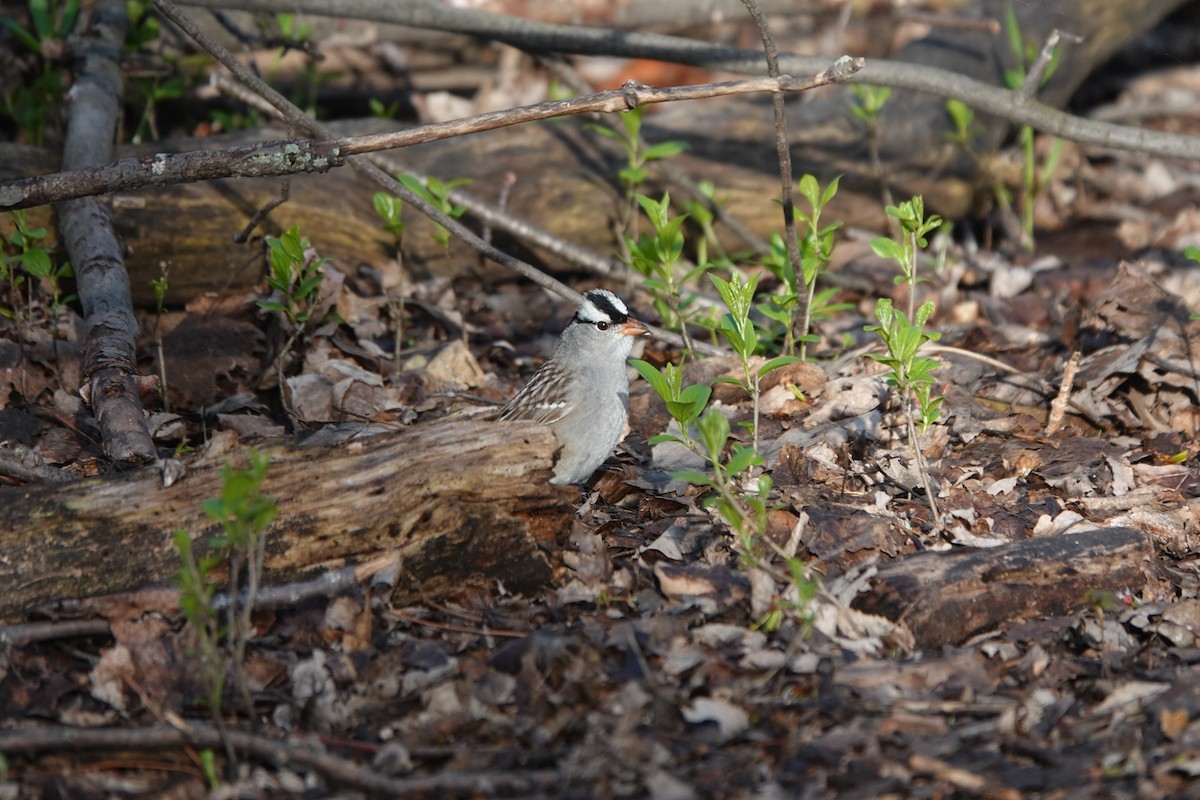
(601, 305)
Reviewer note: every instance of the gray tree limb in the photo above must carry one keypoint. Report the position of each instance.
(109, 369)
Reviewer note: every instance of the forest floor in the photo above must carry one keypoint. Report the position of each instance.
(1038, 639)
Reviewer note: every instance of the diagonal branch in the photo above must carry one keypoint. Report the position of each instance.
(109, 372)
(264, 159)
(549, 38)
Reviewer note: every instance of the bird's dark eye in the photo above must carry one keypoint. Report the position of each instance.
(602, 325)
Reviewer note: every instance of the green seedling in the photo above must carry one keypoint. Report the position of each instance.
(391, 210)
(739, 330)
(31, 104)
(295, 277)
(699, 212)
(27, 262)
(381, 111)
(904, 335)
(1034, 179)
(296, 280)
(243, 513)
(658, 258)
(912, 374)
(159, 287)
(816, 249)
(867, 104)
(707, 434)
(437, 194)
(684, 403)
(637, 154)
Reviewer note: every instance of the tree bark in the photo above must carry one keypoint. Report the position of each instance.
(945, 598)
(464, 502)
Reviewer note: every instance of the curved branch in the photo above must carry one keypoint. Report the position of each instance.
(543, 37)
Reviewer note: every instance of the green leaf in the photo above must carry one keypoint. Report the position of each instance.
(36, 262)
(603, 130)
(743, 458)
(632, 120)
(810, 189)
(414, 185)
(924, 312)
(961, 114)
(692, 476)
(714, 432)
(653, 377)
(828, 194)
(664, 437)
(664, 150)
(1015, 44)
(887, 248)
(734, 381)
(633, 176)
(23, 36)
(776, 363)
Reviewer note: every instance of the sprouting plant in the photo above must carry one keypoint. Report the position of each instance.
(391, 210)
(868, 103)
(700, 212)
(296, 280)
(295, 277)
(658, 258)
(816, 248)
(243, 513)
(159, 286)
(797, 601)
(437, 194)
(637, 154)
(155, 89)
(904, 335)
(30, 104)
(27, 262)
(1033, 179)
(911, 374)
(295, 33)
(914, 230)
(707, 434)
(739, 330)
(381, 111)
(684, 403)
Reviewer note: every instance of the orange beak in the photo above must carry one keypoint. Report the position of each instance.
(631, 327)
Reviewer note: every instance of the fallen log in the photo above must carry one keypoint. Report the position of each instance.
(464, 503)
(945, 598)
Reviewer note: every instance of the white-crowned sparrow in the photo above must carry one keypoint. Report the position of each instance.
(583, 390)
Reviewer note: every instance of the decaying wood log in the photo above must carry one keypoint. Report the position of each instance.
(945, 598)
(464, 503)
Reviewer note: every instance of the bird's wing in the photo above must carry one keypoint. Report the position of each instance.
(543, 399)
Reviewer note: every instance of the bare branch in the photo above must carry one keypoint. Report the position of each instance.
(266, 159)
(545, 38)
(110, 383)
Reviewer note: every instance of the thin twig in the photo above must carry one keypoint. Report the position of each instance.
(536, 36)
(1058, 408)
(783, 149)
(1037, 70)
(293, 751)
